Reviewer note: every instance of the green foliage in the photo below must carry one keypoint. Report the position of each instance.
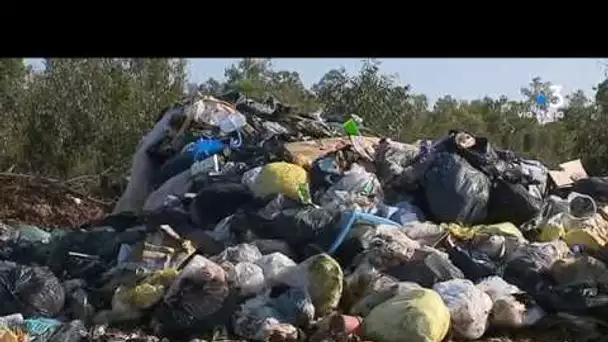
(83, 116)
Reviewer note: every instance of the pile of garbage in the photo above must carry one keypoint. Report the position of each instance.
(248, 221)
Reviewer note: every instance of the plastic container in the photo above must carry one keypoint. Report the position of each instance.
(351, 127)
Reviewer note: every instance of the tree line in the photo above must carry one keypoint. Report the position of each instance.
(86, 116)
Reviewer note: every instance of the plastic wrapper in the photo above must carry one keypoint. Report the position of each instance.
(469, 307)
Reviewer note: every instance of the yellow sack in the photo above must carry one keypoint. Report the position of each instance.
(591, 233)
(551, 232)
(280, 178)
(418, 315)
(504, 229)
(145, 294)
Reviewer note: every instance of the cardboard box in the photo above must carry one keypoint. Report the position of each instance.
(569, 173)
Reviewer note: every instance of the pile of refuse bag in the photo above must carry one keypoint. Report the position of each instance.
(245, 220)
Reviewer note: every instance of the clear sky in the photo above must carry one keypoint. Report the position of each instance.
(463, 78)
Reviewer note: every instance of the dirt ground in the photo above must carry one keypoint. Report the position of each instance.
(46, 204)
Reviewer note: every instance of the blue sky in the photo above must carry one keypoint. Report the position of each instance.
(463, 78)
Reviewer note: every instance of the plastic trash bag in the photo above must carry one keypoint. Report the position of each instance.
(356, 180)
(77, 299)
(247, 278)
(276, 313)
(581, 286)
(217, 201)
(32, 291)
(273, 265)
(146, 293)
(240, 253)
(191, 303)
(419, 315)
(295, 223)
(376, 295)
(402, 212)
(425, 233)
(508, 309)
(321, 276)
(74, 331)
(512, 203)
(469, 307)
(496, 288)
(392, 159)
(596, 187)
(281, 178)
(426, 267)
(501, 229)
(176, 186)
(455, 191)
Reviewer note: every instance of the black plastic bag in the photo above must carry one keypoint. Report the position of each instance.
(475, 265)
(218, 201)
(74, 331)
(455, 191)
(32, 291)
(426, 271)
(512, 203)
(329, 169)
(173, 167)
(295, 223)
(596, 187)
(86, 254)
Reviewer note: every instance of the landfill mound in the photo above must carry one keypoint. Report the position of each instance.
(249, 221)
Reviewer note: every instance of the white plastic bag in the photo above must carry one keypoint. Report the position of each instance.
(356, 180)
(273, 265)
(248, 278)
(469, 307)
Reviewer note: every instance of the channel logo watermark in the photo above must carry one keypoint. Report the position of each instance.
(547, 108)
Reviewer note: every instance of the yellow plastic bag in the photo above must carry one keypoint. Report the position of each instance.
(503, 229)
(551, 232)
(591, 233)
(280, 178)
(418, 315)
(7, 335)
(145, 294)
